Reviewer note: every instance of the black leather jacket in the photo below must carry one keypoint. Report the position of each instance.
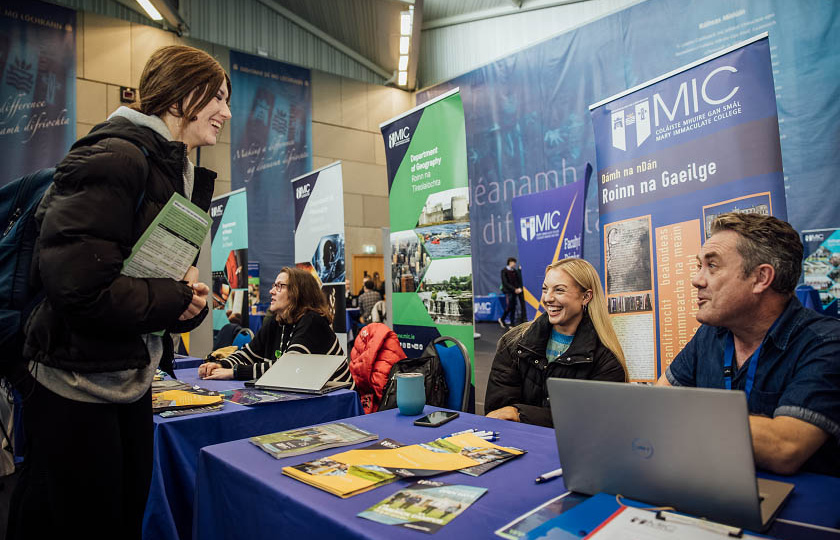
(105, 193)
(521, 369)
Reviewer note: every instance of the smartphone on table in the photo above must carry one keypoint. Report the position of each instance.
(435, 419)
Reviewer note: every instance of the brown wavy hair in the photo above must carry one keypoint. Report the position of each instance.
(175, 72)
(304, 294)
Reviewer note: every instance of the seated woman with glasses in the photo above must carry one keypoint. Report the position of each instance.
(573, 339)
(301, 325)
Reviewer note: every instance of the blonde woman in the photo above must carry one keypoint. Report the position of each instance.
(573, 339)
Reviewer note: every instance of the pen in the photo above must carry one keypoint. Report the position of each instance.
(462, 432)
(549, 476)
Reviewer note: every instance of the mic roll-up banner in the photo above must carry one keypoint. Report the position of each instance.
(37, 86)
(550, 229)
(431, 258)
(673, 153)
(229, 258)
(319, 237)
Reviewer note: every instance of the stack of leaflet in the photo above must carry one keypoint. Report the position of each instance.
(309, 439)
(356, 471)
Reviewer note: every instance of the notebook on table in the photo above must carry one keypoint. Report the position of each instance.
(305, 373)
(689, 448)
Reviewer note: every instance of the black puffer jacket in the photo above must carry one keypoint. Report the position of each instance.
(93, 317)
(520, 368)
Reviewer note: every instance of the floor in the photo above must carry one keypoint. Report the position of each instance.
(485, 350)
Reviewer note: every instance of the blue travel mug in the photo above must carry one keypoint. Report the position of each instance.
(411, 393)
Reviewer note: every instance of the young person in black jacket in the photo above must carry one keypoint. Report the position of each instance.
(513, 288)
(573, 339)
(301, 325)
(91, 347)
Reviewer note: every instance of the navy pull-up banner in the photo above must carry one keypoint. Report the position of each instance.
(672, 154)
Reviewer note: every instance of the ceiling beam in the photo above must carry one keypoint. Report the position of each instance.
(323, 36)
(496, 12)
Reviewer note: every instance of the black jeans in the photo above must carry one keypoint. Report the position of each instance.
(87, 467)
(512, 299)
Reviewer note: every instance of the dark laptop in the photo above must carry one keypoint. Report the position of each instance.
(306, 373)
(689, 448)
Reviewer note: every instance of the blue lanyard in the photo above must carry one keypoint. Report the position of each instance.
(729, 354)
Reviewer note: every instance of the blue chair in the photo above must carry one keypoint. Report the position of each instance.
(243, 337)
(456, 369)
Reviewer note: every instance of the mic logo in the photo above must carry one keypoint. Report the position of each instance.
(399, 137)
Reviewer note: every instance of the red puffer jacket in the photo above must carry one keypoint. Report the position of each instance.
(376, 349)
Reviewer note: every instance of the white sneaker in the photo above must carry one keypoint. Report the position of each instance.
(502, 324)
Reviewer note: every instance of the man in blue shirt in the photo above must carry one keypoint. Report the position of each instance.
(757, 337)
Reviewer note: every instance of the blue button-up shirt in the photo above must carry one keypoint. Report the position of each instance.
(798, 374)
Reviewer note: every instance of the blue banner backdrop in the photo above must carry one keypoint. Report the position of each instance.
(271, 143)
(528, 127)
(550, 229)
(671, 156)
(37, 86)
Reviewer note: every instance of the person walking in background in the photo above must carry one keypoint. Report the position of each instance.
(573, 339)
(92, 344)
(367, 300)
(512, 287)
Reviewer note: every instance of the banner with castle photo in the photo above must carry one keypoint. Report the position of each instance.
(550, 229)
(37, 86)
(229, 258)
(319, 237)
(271, 143)
(431, 262)
(673, 153)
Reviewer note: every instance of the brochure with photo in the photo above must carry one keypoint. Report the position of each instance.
(182, 399)
(252, 396)
(356, 471)
(425, 506)
(309, 439)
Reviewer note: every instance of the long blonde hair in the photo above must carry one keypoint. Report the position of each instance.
(587, 278)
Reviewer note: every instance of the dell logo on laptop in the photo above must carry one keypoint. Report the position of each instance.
(642, 447)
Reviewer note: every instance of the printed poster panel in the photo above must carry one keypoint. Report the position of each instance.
(229, 258)
(821, 268)
(271, 143)
(672, 154)
(550, 229)
(319, 237)
(37, 86)
(431, 262)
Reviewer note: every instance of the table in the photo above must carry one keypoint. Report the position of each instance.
(185, 362)
(169, 509)
(351, 316)
(489, 308)
(241, 491)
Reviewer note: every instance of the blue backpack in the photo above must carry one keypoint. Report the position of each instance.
(18, 201)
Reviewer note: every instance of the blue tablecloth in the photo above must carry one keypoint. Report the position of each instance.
(169, 510)
(186, 362)
(260, 502)
(489, 308)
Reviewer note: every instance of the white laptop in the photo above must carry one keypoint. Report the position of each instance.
(305, 373)
(689, 448)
